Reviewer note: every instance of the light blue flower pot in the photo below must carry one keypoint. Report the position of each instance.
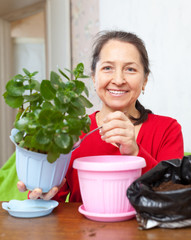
(35, 171)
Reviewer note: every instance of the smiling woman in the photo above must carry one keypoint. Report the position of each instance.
(120, 69)
(119, 81)
(135, 66)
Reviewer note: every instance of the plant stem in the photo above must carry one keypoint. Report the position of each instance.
(30, 93)
(24, 112)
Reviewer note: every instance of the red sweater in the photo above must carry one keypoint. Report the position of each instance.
(160, 138)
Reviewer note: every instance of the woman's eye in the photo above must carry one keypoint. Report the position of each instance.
(107, 68)
(129, 69)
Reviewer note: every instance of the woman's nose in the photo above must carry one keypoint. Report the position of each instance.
(118, 77)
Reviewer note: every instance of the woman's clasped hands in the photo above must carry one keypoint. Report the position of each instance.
(118, 130)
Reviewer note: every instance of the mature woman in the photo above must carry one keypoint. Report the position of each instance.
(120, 69)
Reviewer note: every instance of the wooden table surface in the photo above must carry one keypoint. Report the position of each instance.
(65, 222)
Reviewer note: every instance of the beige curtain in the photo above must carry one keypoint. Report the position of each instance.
(6, 113)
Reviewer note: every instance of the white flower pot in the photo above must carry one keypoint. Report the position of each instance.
(35, 171)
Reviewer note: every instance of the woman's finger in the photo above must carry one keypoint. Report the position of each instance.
(53, 191)
(115, 115)
(47, 196)
(35, 194)
(21, 186)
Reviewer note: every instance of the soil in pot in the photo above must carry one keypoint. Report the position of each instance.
(169, 186)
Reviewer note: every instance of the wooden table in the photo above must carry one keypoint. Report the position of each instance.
(65, 222)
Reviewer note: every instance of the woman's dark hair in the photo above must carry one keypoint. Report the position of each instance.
(102, 38)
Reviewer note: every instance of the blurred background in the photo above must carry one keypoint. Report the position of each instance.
(41, 35)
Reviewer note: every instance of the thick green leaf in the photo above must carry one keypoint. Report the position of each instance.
(34, 73)
(63, 140)
(36, 85)
(45, 116)
(19, 78)
(26, 72)
(14, 102)
(70, 85)
(72, 94)
(43, 148)
(21, 144)
(86, 129)
(28, 142)
(32, 98)
(56, 117)
(57, 103)
(36, 104)
(86, 91)
(18, 137)
(86, 120)
(49, 129)
(62, 107)
(75, 138)
(74, 123)
(63, 98)
(20, 112)
(86, 124)
(74, 111)
(31, 116)
(63, 74)
(47, 105)
(47, 91)
(29, 86)
(32, 127)
(85, 102)
(42, 137)
(72, 72)
(76, 103)
(80, 86)
(80, 68)
(52, 156)
(22, 123)
(15, 88)
(84, 76)
(55, 80)
(36, 112)
(76, 73)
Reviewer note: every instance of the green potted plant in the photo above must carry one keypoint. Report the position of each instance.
(51, 116)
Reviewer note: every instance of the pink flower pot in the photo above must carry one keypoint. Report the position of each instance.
(104, 181)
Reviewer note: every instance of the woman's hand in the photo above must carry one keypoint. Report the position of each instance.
(37, 192)
(118, 129)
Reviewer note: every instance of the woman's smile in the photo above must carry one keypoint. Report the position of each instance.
(117, 92)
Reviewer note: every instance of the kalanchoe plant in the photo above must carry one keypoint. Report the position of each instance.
(52, 114)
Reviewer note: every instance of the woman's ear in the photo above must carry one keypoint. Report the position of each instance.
(94, 82)
(145, 82)
(93, 78)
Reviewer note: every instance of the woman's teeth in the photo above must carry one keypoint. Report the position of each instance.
(117, 92)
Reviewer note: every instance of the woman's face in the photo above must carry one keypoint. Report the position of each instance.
(119, 76)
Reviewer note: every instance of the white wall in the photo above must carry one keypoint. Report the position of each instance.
(165, 28)
(29, 53)
(58, 34)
